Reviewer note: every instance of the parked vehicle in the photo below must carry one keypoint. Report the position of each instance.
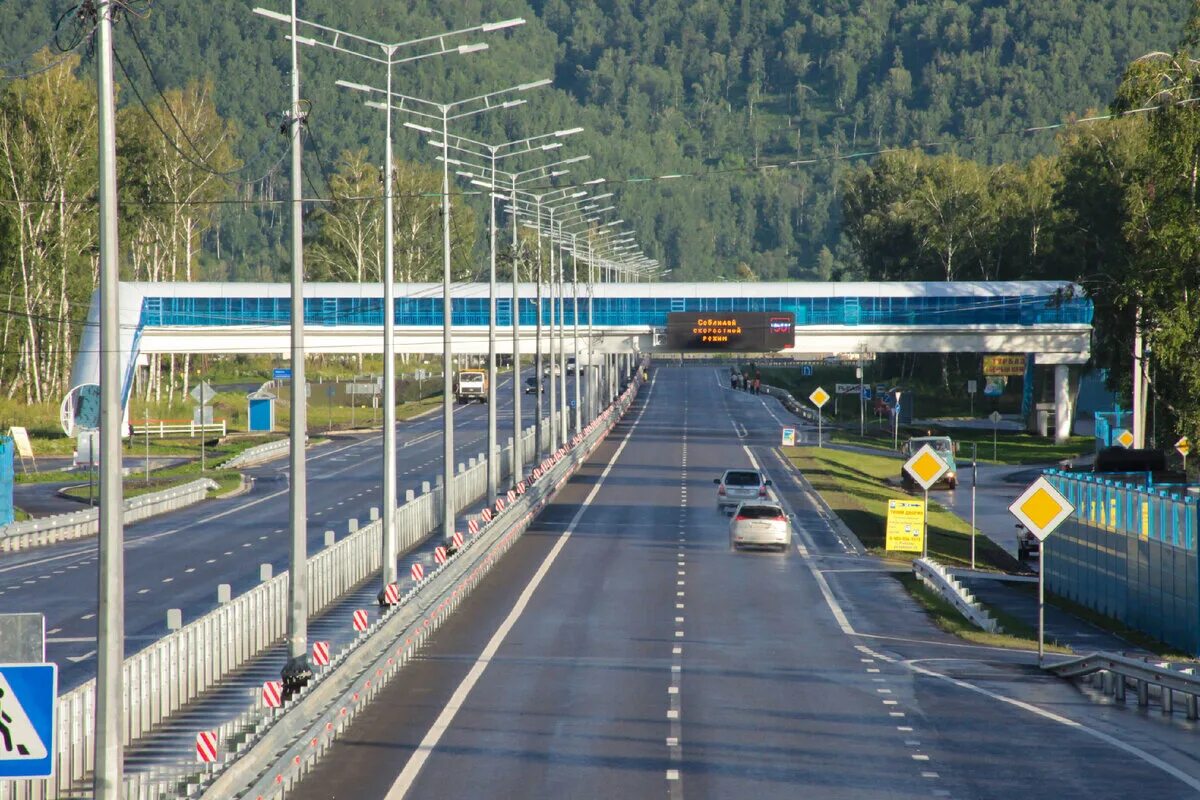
(739, 485)
(471, 384)
(944, 447)
(760, 524)
(1027, 544)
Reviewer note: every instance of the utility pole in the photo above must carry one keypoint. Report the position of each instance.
(110, 642)
(296, 673)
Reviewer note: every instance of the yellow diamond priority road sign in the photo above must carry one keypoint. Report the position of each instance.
(819, 397)
(926, 467)
(1124, 438)
(1041, 508)
(1183, 446)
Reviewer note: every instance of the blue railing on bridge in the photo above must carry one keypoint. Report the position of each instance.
(1129, 552)
(623, 311)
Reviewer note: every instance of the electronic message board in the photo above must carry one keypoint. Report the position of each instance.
(732, 331)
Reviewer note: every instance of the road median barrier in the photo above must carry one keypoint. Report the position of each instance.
(78, 524)
(284, 745)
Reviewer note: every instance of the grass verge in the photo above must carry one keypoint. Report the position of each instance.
(854, 485)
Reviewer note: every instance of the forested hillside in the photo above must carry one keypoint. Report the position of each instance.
(666, 87)
(723, 93)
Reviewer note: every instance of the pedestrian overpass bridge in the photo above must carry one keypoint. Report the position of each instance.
(1049, 319)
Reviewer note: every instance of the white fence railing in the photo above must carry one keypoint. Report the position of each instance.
(77, 524)
(163, 428)
(181, 666)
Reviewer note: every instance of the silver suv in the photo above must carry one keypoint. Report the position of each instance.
(739, 485)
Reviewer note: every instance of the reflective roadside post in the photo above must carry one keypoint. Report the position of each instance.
(896, 422)
(974, 480)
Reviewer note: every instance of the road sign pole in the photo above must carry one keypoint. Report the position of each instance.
(819, 428)
(925, 535)
(995, 440)
(974, 480)
(1042, 602)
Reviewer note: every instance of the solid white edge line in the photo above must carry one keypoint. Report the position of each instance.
(848, 629)
(408, 776)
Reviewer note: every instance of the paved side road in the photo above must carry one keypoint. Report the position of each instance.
(622, 649)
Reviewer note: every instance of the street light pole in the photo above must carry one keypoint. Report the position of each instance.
(389, 356)
(517, 465)
(110, 640)
(575, 320)
(493, 452)
(448, 509)
(554, 408)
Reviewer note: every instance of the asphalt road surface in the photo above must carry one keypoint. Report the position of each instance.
(622, 650)
(177, 560)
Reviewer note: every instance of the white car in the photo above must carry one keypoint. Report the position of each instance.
(554, 367)
(760, 524)
(738, 485)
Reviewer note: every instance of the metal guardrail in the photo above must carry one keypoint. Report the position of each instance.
(790, 403)
(1117, 673)
(948, 587)
(181, 666)
(77, 524)
(294, 741)
(259, 454)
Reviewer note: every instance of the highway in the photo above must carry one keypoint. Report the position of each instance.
(177, 560)
(621, 649)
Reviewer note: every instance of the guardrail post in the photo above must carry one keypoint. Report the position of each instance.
(330, 538)
(224, 593)
(1143, 693)
(1119, 689)
(374, 513)
(265, 572)
(174, 619)
(471, 462)
(352, 524)
(1168, 700)
(409, 495)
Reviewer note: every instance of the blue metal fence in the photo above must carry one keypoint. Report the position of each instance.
(1129, 552)
(6, 480)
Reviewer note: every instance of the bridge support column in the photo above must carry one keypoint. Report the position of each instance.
(1062, 403)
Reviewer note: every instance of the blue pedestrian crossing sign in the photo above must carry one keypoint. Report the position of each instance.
(866, 392)
(806, 370)
(28, 693)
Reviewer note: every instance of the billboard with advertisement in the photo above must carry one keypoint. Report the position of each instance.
(1011, 366)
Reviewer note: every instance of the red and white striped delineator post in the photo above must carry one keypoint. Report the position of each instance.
(457, 538)
(272, 694)
(472, 528)
(206, 747)
(521, 487)
(487, 515)
(391, 594)
(417, 571)
(439, 554)
(499, 504)
(360, 620)
(321, 654)
(512, 495)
